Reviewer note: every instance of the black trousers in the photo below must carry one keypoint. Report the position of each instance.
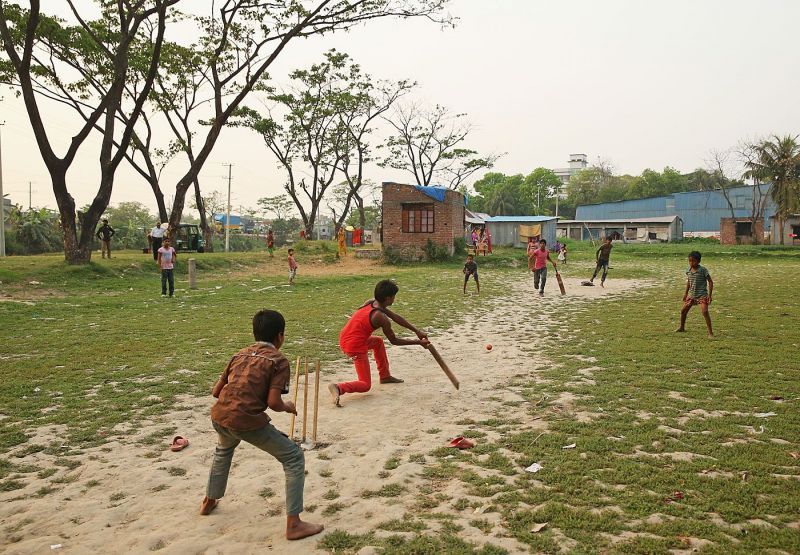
(166, 276)
(156, 245)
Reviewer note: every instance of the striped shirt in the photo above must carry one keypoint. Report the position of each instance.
(698, 282)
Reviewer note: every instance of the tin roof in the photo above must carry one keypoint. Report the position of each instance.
(498, 219)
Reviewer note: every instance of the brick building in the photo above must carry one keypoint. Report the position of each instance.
(414, 214)
(739, 231)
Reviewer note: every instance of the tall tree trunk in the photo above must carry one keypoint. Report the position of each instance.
(74, 252)
(208, 233)
(163, 216)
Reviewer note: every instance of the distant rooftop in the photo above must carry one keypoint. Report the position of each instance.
(520, 218)
(655, 220)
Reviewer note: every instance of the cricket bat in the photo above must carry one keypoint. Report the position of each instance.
(560, 284)
(444, 366)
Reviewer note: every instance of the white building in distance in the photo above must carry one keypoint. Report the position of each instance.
(577, 162)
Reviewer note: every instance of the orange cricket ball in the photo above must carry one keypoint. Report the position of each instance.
(488, 346)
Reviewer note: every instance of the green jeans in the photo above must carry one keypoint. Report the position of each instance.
(267, 439)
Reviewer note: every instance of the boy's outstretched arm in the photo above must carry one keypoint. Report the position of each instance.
(405, 323)
(710, 287)
(686, 292)
(276, 403)
(386, 325)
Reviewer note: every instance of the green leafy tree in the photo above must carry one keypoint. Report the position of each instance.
(131, 222)
(777, 161)
(84, 64)
(540, 188)
(34, 231)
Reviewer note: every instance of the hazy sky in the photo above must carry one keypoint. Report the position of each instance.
(642, 83)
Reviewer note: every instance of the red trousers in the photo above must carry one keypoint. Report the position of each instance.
(361, 362)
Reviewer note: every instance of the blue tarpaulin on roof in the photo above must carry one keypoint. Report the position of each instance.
(436, 193)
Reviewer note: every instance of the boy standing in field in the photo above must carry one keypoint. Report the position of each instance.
(471, 269)
(292, 267)
(356, 340)
(602, 257)
(541, 257)
(166, 261)
(531, 249)
(270, 243)
(699, 287)
(105, 233)
(254, 379)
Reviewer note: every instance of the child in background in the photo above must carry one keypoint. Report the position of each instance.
(254, 379)
(562, 255)
(471, 269)
(166, 261)
(699, 288)
(541, 257)
(270, 243)
(292, 267)
(602, 256)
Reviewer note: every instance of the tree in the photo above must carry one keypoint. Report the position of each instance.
(86, 66)
(131, 222)
(542, 186)
(244, 38)
(208, 205)
(777, 161)
(280, 206)
(35, 231)
(310, 137)
(428, 145)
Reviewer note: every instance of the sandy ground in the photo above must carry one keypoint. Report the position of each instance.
(137, 506)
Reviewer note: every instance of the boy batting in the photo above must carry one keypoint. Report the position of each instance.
(356, 340)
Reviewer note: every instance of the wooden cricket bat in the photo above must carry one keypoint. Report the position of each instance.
(444, 366)
(560, 284)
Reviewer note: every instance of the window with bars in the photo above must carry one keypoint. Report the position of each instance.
(418, 218)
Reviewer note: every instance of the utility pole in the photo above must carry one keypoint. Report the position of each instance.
(558, 194)
(30, 202)
(2, 201)
(228, 210)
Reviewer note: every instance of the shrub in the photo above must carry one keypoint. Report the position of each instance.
(459, 246)
(435, 253)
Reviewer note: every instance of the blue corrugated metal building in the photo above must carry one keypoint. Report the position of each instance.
(700, 211)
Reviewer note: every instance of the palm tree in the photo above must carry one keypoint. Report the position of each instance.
(777, 160)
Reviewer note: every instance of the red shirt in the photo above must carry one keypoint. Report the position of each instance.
(354, 335)
(540, 258)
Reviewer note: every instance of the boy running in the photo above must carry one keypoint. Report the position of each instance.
(602, 256)
(292, 267)
(356, 340)
(166, 261)
(254, 379)
(541, 257)
(699, 287)
(471, 269)
(270, 243)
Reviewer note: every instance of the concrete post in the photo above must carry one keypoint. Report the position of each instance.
(192, 273)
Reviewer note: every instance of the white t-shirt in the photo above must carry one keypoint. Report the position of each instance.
(167, 258)
(157, 232)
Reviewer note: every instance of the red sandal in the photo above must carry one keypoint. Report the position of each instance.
(179, 443)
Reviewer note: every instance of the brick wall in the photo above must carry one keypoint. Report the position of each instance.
(448, 220)
(727, 231)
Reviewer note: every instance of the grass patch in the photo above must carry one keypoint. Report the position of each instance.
(333, 508)
(266, 493)
(389, 490)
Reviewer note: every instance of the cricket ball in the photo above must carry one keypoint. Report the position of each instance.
(488, 346)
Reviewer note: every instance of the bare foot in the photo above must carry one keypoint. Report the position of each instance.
(391, 379)
(602, 284)
(334, 390)
(680, 330)
(299, 530)
(710, 335)
(208, 505)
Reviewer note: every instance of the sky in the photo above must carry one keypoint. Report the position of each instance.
(643, 84)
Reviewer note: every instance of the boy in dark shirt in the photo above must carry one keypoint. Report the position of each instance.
(105, 233)
(699, 287)
(254, 379)
(471, 269)
(602, 256)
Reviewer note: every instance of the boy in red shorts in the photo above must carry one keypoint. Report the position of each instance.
(356, 340)
(699, 287)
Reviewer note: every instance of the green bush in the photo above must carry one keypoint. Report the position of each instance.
(459, 246)
(315, 247)
(435, 253)
(239, 243)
